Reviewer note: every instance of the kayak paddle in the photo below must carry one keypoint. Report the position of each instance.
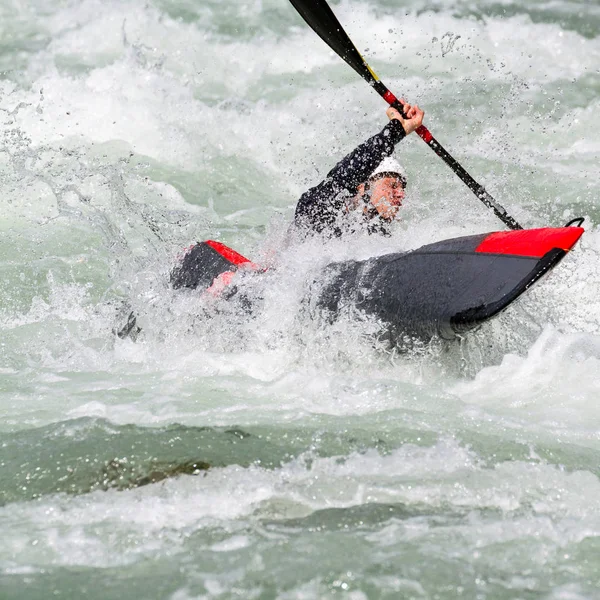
(320, 17)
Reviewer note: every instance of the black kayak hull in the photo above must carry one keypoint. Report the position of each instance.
(436, 290)
(442, 289)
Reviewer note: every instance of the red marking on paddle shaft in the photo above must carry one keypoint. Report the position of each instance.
(530, 242)
(389, 97)
(424, 133)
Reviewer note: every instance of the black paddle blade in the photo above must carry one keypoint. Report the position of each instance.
(325, 24)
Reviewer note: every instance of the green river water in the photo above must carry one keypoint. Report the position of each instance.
(274, 457)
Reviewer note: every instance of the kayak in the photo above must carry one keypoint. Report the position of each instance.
(449, 287)
(442, 289)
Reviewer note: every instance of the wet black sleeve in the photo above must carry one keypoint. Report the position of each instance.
(319, 207)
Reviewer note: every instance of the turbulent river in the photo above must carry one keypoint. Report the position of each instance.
(222, 455)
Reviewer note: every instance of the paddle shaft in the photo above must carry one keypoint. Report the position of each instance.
(319, 16)
(428, 138)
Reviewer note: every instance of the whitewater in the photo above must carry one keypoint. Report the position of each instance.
(221, 455)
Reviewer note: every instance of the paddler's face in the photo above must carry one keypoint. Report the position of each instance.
(387, 195)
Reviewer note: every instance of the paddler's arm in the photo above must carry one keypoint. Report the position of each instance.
(319, 207)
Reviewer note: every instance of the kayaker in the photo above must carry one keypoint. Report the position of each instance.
(367, 184)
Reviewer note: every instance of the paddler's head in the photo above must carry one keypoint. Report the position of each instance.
(383, 192)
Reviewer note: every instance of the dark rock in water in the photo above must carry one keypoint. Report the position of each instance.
(122, 475)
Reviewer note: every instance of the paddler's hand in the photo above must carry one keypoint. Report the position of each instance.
(414, 116)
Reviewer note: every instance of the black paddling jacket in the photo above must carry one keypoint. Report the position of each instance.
(319, 208)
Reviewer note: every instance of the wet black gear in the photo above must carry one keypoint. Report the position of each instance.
(319, 208)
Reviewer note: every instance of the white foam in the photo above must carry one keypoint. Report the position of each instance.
(81, 531)
(226, 130)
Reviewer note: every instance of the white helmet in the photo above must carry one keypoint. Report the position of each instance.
(389, 165)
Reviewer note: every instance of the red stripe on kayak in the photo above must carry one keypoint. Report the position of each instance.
(530, 242)
(226, 252)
